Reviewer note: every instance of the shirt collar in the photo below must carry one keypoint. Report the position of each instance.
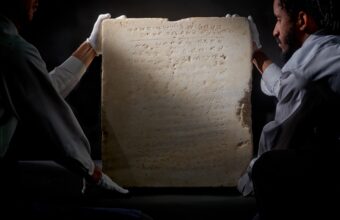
(313, 36)
(7, 26)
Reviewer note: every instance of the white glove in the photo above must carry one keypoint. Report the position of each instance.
(95, 37)
(253, 29)
(106, 183)
(121, 17)
(254, 33)
(231, 16)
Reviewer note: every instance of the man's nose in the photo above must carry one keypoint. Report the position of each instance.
(275, 31)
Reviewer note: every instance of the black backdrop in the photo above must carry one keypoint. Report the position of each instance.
(60, 26)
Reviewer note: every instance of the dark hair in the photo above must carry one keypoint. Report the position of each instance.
(326, 13)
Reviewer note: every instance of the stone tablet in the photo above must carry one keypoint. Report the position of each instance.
(176, 108)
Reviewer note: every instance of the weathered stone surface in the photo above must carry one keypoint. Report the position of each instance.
(176, 101)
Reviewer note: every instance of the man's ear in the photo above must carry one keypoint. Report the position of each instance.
(306, 23)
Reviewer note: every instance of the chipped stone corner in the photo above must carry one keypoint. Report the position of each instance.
(243, 110)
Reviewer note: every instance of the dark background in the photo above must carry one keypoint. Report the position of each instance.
(60, 26)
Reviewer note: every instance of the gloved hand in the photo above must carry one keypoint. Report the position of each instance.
(231, 16)
(95, 36)
(254, 31)
(99, 181)
(106, 182)
(121, 17)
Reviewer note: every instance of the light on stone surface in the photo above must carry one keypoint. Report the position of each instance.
(176, 108)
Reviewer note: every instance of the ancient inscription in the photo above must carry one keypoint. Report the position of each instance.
(171, 109)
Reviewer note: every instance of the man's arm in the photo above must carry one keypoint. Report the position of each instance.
(36, 101)
(270, 82)
(85, 53)
(261, 61)
(66, 76)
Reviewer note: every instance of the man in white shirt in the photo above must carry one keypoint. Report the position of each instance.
(296, 162)
(30, 94)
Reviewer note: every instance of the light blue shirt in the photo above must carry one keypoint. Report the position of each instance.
(318, 59)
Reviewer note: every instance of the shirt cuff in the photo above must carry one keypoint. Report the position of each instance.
(271, 77)
(271, 74)
(74, 65)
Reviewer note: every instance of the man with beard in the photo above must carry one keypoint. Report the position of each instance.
(30, 94)
(296, 173)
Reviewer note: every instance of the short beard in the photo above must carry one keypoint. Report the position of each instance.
(292, 42)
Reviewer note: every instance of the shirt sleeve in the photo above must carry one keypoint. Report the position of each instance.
(36, 101)
(270, 82)
(294, 104)
(67, 75)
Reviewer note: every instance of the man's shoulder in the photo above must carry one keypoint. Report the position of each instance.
(16, 48)
(324, 41)
(16, 44)
(315, 48)
(19, 55)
